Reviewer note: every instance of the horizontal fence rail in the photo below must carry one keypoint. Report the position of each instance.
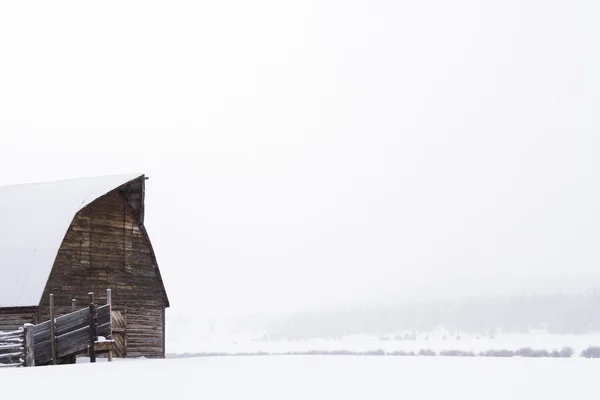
(12, 348)
(70, 334)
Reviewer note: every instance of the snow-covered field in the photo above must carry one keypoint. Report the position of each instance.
(306, 377)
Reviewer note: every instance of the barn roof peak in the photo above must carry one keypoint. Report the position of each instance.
(34, 218)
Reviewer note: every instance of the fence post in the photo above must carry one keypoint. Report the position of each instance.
(73, 358)
(29, 346)
(52, 338)
(93, 333)
(109, 302)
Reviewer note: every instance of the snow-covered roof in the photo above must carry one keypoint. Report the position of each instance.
(34, 219)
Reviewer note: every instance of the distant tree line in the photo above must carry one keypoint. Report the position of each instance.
(557, 313)
(565, 352)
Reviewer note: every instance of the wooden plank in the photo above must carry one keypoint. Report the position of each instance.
(40, 329)
(103, 314)
(73, 342)
(11, 355)
(43, 352)
(43, 336)
(104, 346)
(72, 321)
(11, 365)
(18, 332)
(12, 337)
(104, 330)
(12, 341)
(9, 348)
(18, 310)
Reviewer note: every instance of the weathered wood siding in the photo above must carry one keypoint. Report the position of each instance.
(14, 318)
(145, 332)
(107, 246)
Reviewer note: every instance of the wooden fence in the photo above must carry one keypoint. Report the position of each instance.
(12, 347)
(48, 343)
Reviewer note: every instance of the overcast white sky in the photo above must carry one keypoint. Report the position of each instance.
(314, 152)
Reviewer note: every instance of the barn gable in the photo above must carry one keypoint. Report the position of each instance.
(106, 246)
(34, 220)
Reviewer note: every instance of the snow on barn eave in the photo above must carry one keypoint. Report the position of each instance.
(34, 219)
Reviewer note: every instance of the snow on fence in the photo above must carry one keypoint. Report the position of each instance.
(12, 347)
(70, 334)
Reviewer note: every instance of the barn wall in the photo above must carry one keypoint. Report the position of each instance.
(14, 318)
(106, 247)
(145, 332)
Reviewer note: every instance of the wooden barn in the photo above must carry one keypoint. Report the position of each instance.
(77, 236)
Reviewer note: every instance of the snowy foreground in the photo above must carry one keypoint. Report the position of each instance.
(311, 377)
